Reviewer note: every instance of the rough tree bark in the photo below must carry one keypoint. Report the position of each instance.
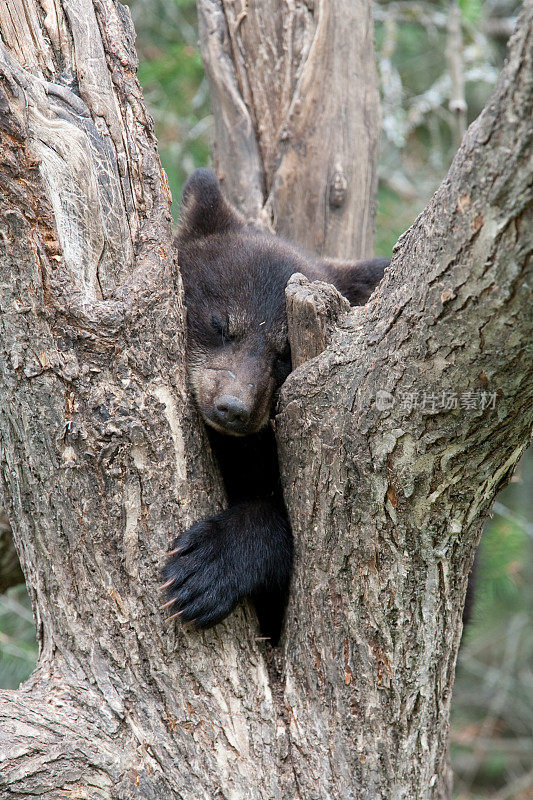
(103, 458)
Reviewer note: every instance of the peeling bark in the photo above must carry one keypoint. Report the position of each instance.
(103, 459)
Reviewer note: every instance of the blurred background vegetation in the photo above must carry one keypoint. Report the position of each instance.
(492, 720)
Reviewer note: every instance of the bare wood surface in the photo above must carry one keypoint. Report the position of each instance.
(295, 97)
(314, 310)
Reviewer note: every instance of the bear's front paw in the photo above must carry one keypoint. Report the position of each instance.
(201, 582)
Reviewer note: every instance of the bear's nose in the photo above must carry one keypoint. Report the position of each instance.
(231, 411)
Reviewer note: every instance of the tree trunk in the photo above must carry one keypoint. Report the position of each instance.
(103, 458)
(295, 97)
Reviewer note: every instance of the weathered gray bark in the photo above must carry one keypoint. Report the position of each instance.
(103, 459)
(295, 96)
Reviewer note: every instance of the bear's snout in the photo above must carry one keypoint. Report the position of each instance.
(231, 413)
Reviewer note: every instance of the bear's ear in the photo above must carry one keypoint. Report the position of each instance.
(356, 280)
(203, 208)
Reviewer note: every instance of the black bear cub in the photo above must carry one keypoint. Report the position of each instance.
(234, 277)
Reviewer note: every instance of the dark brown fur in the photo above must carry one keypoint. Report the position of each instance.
(238, 356)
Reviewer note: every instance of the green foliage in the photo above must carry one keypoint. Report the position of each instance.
(504, 553)
(394, 215)
(18, 649)
(419, 57)
(492, 712)
(174, 81)
(471, 11)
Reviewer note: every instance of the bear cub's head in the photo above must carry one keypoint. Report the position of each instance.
(234, 277)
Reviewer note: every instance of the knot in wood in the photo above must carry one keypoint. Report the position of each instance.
(458, 106)
(338, 189)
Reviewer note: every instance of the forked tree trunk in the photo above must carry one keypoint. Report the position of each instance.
(103, 458)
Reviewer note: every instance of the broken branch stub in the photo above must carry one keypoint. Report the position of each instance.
(314, 309)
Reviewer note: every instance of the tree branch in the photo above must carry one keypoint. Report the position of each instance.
(314, 309)
(388, 497)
